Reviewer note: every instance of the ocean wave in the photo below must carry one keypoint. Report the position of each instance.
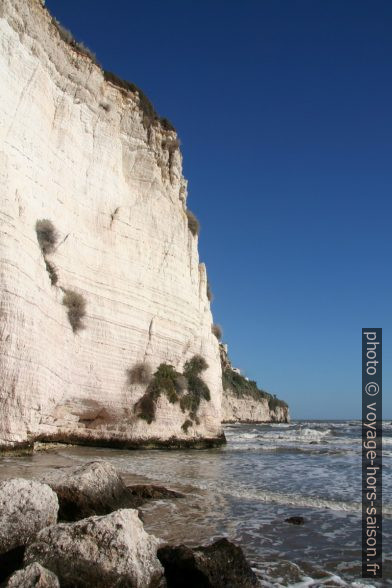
(306, 435)
(271, 447)
(303, 501)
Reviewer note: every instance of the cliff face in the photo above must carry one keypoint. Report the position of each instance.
(250, 410)
(76, 151)
(243, 402)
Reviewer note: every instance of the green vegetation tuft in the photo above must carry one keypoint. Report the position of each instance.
(186, 424)
(194, 366)
(274, 403)
(146, 407)
(243, 388)
(197, 388)
(187, 389)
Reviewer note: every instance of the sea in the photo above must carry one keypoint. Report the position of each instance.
(245, 490)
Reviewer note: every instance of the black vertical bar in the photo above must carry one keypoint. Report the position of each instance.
(372, 453)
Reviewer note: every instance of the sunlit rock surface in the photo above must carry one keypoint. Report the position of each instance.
(74, 150)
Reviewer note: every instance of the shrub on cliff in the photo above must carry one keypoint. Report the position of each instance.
(68, 38)
(146, 407)
(46, 235)
(217, 331)
(140, 373)
(146, 106)
(76, 305)
(197, 388)
(84, 50)
(274, 403)
(186, 424)
(64, 33)
(240, 386)
(166, 124)
(166, 380)
(195, 365)
(193, 223)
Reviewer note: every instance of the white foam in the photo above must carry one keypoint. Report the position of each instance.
(303, 501)
(305, 435)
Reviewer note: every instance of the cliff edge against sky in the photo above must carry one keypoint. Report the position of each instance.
(105, 315)
(110, 276)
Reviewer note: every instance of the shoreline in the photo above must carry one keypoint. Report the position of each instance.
(28, 448)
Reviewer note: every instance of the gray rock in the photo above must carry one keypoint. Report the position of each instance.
(90, 489)
(295, 520)
(105, 552)
(26, 507)
(34, 576)
(220, 565)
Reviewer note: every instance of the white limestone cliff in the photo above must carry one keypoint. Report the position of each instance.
(250, 410)
(74, 150)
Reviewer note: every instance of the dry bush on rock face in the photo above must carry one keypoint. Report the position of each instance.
(46, 235)
(217, 331)
(140, 373)
(76, 305)
(193, 223)
(210, 294)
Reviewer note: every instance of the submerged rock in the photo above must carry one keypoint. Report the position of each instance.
(220, 565)
(106, 551)
(295, 520)
(144, 492)
(33, 576)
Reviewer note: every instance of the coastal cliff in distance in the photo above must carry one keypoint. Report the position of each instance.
(105, 319)
(244, 402)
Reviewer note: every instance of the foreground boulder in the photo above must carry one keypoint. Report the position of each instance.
(96, 488)
(34, 576)
(26, 507)
(220, 565)
(90, 489)
(104, 552)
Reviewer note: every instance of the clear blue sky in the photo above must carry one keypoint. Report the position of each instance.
(284, 109)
